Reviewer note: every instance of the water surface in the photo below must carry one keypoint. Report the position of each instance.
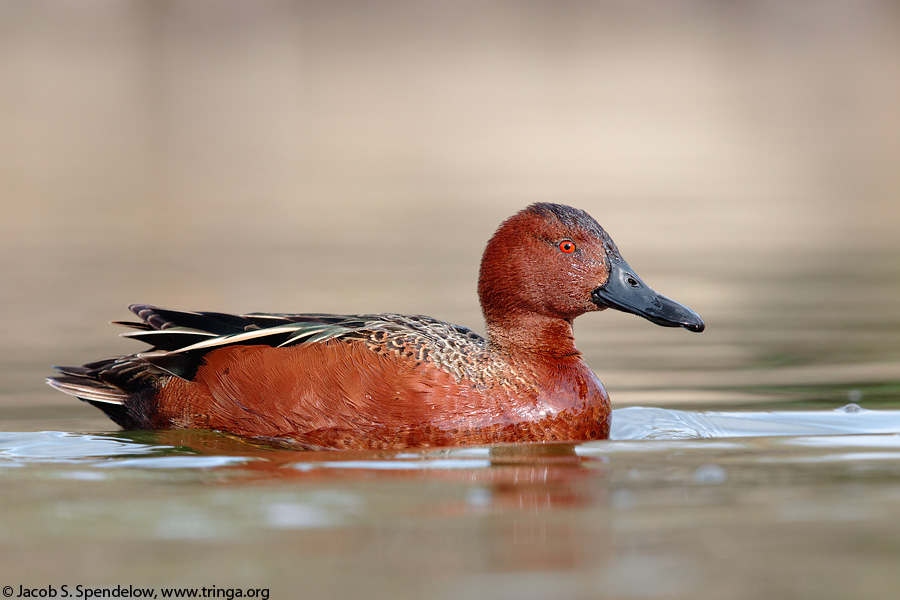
(677, 504)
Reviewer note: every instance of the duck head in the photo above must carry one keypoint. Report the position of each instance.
(552, 261)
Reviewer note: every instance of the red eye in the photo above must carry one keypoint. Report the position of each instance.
(567, 246)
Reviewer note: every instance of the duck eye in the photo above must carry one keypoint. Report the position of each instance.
(567, 246)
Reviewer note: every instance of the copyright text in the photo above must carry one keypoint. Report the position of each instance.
(131, 591)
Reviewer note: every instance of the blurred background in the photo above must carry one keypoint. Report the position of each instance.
(355, 157)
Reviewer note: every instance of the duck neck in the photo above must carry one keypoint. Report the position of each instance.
(531, 334)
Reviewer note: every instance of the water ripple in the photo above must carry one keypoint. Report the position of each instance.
(847, 430)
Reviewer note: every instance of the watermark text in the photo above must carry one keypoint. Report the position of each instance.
(131, 591)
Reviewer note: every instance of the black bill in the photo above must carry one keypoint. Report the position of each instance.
(626, 292)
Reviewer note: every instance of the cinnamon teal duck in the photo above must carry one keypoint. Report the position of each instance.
(381, 381)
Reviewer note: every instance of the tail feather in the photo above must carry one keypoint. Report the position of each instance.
(121, 387)
(89, 390)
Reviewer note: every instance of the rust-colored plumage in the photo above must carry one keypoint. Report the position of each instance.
(393, 381)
